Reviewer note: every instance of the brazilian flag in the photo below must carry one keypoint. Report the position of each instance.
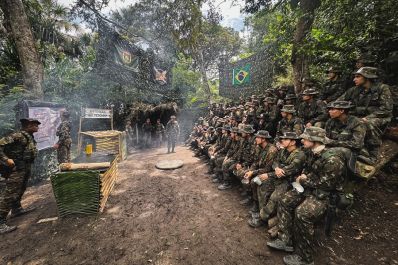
(241, 75)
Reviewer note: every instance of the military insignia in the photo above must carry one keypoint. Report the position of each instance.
(126, 57)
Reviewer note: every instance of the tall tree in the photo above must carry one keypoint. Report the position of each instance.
(16, 20)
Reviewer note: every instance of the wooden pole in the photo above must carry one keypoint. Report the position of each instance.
(79, 137)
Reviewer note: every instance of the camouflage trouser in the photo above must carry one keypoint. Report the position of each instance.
(63, 154)
(171, 142)
(227, 167)
(218, 161)
(309, 212)
(266, 210)
(158, 139)
(147, 139)
(373, 137)
(11, 194)
(263, 192)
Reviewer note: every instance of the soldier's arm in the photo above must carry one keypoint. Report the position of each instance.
(268, 161)
(295, 168)
(386, 104)
(356, 141)
(339, 91)
(7, 141)
(328, 177)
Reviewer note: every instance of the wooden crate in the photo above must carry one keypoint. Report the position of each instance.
(84, 191)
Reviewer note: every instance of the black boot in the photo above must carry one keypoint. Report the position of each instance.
(21, 211)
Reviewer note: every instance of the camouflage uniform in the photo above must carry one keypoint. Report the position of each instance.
(293, 125)
(20, 147)
(147, 134)
(172, 131)
(159, 130)
(332, 89)
(292, 163)
(374, 104)
(231, 159)
(312, 111)
(297, 212)
(64, 141)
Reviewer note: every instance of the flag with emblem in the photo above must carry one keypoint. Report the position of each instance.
(125, 57)
(241, 75)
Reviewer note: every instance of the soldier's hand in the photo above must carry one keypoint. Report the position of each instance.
(10, 163)
(301, 178)
(279, 172)
(248, 174)
(56, 146)
(263, 177)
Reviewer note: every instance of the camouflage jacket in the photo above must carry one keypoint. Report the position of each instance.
(234, 148)
(20, 147)
(159, 128)
(291, 162)
(373, 103)
(63, 133)
(220, 143)
(266, 159)
(325, 171)
(272, 113)
(247, 152)
(147, 128)
(350, 134)
(312, 112)
(172, 128)
(332, 90)
(226, 146)
(212, 139)
(294, 125)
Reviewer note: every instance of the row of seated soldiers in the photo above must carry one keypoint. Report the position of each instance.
(296, 174)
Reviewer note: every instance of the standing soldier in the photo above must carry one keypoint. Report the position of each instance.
(172, 131)
(159, 131)
(17, 153)
(147, 132)
(129, 133)
(64, 139)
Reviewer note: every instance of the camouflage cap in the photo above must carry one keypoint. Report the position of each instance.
(334, 69)
(241, 107)
(253, 96)
(29, 120)
(173, 117)
(247, 129)
(211, 128)
(290, 96)
(289, 135)
(219, 129)
(227, 128)
(270, 100)
(368, 72)
(288, 109)
(315, 134)
(248, 104)
(310, 92)
(263, 134)
(340, 104)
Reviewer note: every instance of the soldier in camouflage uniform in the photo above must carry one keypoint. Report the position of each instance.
(311, 110)
(159, 131)
(17, 153)
(147, 133)
(298, 211)
(64, 139)
(290, 122)
(231, 159)
(373, 105)
(220, 142)
(221, 153)
(334, 87)
(172, 132)
(343, 129)
(272, 115)
(288, 164)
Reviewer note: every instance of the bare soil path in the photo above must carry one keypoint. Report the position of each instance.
(179, 217)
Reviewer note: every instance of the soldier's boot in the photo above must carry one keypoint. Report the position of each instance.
(4, 228)
(295, 260)
(280, 245)
(244, 193)
(21, 211)
(225, 186)
(246, 201)
(254, 209)
(256, 221)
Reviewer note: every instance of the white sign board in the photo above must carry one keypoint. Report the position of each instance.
(50, 119)
(89, 113)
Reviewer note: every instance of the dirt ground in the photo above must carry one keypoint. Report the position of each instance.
(179, 217)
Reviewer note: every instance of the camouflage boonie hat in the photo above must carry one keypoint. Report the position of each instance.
(247, 129)
(315, 134)
(241, 107)
(200, 119)
(334, 70)
(29, 120)
(219, 129)
(235, 130)
(248, 104)
(227, 128)
(211, 128)
(288, 109)
(290, 97)
(340, 105)
(263, 134)
(253, 96)
(289, 135)
(270, 100)
(261, 116)
(368, 72)
(310, 92)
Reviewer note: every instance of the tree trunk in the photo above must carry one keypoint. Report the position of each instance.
(299, 60)
(205, 81)
(32, 68)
